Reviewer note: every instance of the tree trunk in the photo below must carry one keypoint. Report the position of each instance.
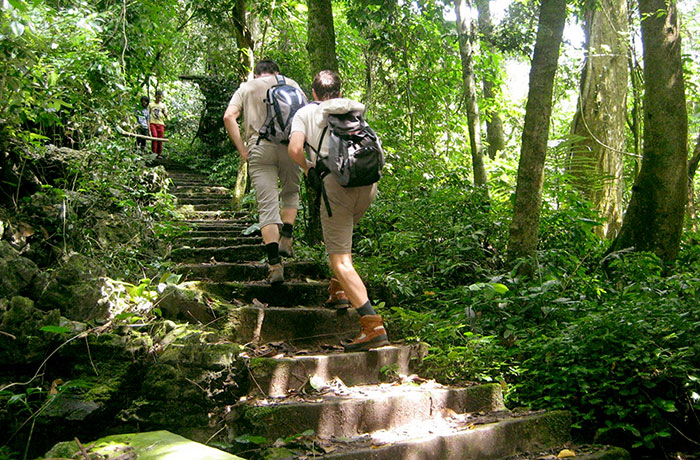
(654, 218)
(494, 125)
(321, 36)
(244, 40)
(466, 51)
(321, 49)
(528, 193)
(596, 161)
(692, 168)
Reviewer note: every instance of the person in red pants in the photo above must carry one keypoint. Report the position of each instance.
(159, 113)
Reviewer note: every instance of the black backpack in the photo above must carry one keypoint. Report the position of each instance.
(355, 155)
(282, 101)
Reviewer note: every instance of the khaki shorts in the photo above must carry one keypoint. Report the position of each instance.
(347, 206)
(269, 164)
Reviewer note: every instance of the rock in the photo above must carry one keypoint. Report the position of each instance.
(23, 341)
(190, 305)
(72, 407)
(75, 289)
(20, 276)
(154, 445)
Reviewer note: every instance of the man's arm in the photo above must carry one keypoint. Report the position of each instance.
(296, 150)
(234, 132)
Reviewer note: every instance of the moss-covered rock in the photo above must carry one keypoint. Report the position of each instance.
(20, 276)
(76, 289)
(24, 342)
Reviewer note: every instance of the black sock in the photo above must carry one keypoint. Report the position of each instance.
(366, 309)
(273, 253)
(287, 230)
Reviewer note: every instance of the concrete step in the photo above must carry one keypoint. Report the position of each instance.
(291, 293)
(227, 225)
(250, 271)
(352, 411)
(278, 377)
(232, 239)
(501, 435)
(221, 200)
(179, 190)
(582, 452)
(301, 327)
(189, 207)
(241, 253)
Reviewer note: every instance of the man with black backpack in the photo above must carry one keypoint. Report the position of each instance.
(268, 103)
(345, 160)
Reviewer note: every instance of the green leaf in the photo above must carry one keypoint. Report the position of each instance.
(55, 329)
(17, 28)
(499, 288)
(18, 4)
(250, 439)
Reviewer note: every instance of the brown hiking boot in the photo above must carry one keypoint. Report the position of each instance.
(337, 298)
(275, 273)
(286, 249)
(372, 335)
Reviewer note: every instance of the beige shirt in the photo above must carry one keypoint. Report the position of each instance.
(249, 98)
(312, 118)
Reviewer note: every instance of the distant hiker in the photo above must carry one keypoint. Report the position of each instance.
(267, 159)
(159, 113)
(343, 205)
(142, 118)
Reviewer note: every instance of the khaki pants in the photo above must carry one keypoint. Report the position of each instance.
(269, 164)
(347, 206)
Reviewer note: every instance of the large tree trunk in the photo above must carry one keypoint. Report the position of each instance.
(321, 49)
(495, 136)
(321, 36)
(466, 50)
(596, 161)
(692, 168)
(528, 193)
(654, 218)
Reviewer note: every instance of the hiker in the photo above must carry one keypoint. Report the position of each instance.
(142, 118)
(159, 113)
(268, 163)
(343, 207)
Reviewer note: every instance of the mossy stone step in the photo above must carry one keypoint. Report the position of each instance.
(153, 445)
(222, 200)
(364, 409)
(278, 376)
(180, 190)
(581, 452)
(226, 240)
(206, 207)
(249, 271)
(291, 293)
(488, 441)
(241, 253)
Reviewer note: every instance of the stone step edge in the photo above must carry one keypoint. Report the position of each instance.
(371, 408)
(495, 440)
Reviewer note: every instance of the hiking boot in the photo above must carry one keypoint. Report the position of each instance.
(286, 249)
(372, 335)
(337, 298)
(275, 273)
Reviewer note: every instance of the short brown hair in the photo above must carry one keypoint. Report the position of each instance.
(266, 66)
(326, 83)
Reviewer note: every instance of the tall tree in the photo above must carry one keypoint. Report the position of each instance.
(321, 36)
(465, 32)
(596, 161)
(654, 217)
(321, 48)
(538, 110)
(494, 125)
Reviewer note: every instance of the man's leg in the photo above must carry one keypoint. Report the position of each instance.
(263, 170)
(290, 175)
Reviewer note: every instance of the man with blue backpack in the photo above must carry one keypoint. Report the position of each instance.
(344, 164)
(268, 103)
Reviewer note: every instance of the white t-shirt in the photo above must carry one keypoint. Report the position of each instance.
(312, 119)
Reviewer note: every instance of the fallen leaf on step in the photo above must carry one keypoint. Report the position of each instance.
(259, 304)
(566, 453)
(212, 260)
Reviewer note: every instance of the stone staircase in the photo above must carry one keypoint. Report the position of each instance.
(366, 405)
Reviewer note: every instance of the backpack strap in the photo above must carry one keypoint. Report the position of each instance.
(280, 79)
